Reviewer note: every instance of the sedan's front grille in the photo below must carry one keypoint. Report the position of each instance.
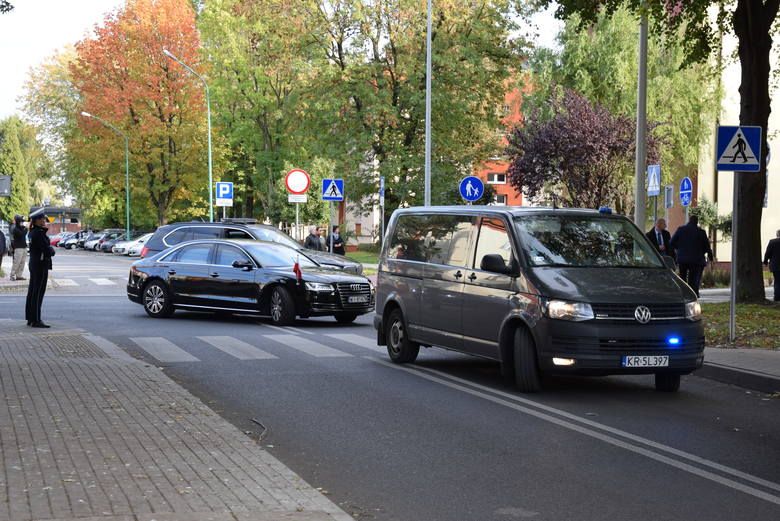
(348, 290)
(626, 311)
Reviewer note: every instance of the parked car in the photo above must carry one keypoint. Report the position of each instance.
(539, 290)
(172, 234)
(72, 241)
(91, 243)
(246, 276)
(88, 237)
(106, 244)
(54, 240)
(134, 247)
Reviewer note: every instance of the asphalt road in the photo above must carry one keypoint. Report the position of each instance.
(445, 438)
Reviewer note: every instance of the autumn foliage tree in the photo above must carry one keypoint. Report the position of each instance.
(123, 77)
(581, 155)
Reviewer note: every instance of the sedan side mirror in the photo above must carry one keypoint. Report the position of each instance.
(670, 262)
(244, 265)
(495, 264)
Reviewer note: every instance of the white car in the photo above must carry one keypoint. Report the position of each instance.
(135, 247)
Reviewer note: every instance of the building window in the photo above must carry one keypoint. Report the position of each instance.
(494, 178)
(359, 229)
(500, 200)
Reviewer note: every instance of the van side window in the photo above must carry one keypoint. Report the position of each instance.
(408, 238)
(447, 241)
(232, 233)
(206, 232)
(175, 237)
(493, 239)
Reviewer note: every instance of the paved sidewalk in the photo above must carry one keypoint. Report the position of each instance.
(712, 295)
(753, 368)
(88, 433)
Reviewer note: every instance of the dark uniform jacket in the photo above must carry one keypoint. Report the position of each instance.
(41, 251)
(18, 236)
(3, 245)
(338, 244)
(665, 237)
(691, 244)
(312, 242)
(772, 255)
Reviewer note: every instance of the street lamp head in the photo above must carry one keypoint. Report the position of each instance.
(169, 54)
(86, 114)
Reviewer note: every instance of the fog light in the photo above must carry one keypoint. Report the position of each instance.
(563, 361)
(673, 340)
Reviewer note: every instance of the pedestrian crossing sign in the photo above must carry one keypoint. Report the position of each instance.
(739, 149)
(653, 180)
(332, 189)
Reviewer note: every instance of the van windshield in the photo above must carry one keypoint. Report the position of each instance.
(584, 241)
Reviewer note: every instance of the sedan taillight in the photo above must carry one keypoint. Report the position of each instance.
(144, 251)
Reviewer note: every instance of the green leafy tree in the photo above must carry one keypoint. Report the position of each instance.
(753, 22)
(12, 162)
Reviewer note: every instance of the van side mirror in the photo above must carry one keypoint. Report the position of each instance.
(670, 262)
(494, 263)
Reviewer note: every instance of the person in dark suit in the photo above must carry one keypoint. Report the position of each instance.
(41, 253)
(312, 241)
(338, 242)
(661, 238)
(691, 244)
(772, 259)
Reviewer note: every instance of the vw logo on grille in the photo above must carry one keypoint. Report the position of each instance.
(355, 287)
(642, 314)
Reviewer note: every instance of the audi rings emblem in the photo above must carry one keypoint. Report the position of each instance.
(355, 287)
(642, 314)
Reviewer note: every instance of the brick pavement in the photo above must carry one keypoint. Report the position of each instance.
(89, 434)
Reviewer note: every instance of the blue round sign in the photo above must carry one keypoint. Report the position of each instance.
(686, 191)
(471, 188)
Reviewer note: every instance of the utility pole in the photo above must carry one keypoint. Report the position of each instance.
(641, 127)
(428, 109)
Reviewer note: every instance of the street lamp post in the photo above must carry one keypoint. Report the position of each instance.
(640, 166)
(208, 119)
(427, 194)
(127, 168)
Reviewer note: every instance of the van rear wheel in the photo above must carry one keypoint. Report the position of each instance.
(400, 349)
(527, 376)
(667, 382)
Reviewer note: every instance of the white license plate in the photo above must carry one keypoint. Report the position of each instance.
(646, 361)
(360, 299)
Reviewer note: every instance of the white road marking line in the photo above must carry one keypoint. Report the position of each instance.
(298, 330)
(103, 282)
(307, 346)
(237, 348)
(163, 349)
(110, 348)
(277, 328)
(66, 282)
(357, 340)
(604, 437)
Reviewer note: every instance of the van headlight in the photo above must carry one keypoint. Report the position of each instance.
(574, 311)
(693, 310)
(319, 286)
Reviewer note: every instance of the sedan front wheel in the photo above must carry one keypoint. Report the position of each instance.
(282, 307)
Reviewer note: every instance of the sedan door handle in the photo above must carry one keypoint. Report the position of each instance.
(214, 274)
(472, 277)
(171, 272)
(458, 274)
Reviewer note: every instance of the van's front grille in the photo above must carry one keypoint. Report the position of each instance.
(626, 311)
(595, 345)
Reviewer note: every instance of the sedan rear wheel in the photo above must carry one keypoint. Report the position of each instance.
(157, 300)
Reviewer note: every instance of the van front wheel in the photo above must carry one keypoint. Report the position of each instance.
(400, 349)
(527, 377)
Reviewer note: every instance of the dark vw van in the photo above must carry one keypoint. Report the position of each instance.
(539, 290)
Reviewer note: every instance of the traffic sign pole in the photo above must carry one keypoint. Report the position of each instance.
(733, 299)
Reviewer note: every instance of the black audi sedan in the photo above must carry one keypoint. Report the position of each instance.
(246, 276)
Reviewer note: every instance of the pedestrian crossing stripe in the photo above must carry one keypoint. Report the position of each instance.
(103, 282)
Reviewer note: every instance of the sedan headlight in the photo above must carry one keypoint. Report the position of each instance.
(693, 310)
(574, 311)
(319, 286)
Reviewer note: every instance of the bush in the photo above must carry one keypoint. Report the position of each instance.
(371, 248)
(715, 278)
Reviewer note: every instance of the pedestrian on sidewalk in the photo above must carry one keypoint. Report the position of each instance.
(661, 238)
(338, 242)
(3, 248)
(41, 253)
(691, 244)
(312, 241)
(772, 258)
(18, 247)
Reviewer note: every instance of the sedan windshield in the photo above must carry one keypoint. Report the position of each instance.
(274, 235)
(270, 255)
(584, 241)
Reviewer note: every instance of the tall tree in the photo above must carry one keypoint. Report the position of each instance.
(12, 162)
(123, 77)
(753, 23)
(577, 157)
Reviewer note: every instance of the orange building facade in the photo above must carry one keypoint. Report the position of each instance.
(494, 171)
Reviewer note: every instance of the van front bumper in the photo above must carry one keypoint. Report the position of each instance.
(599, 348)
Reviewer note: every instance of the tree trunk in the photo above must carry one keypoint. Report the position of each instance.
(752, 25)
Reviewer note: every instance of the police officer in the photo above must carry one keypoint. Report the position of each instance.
(41, 253)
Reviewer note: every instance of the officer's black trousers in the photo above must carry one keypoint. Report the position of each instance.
(38, 277)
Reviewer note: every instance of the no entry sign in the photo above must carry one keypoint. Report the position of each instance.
(297, 181)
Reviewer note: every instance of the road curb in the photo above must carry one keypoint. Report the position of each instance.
(755, 380)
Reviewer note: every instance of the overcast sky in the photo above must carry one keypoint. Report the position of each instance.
(35, 29)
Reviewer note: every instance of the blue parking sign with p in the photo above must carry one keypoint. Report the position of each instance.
(224, 194)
